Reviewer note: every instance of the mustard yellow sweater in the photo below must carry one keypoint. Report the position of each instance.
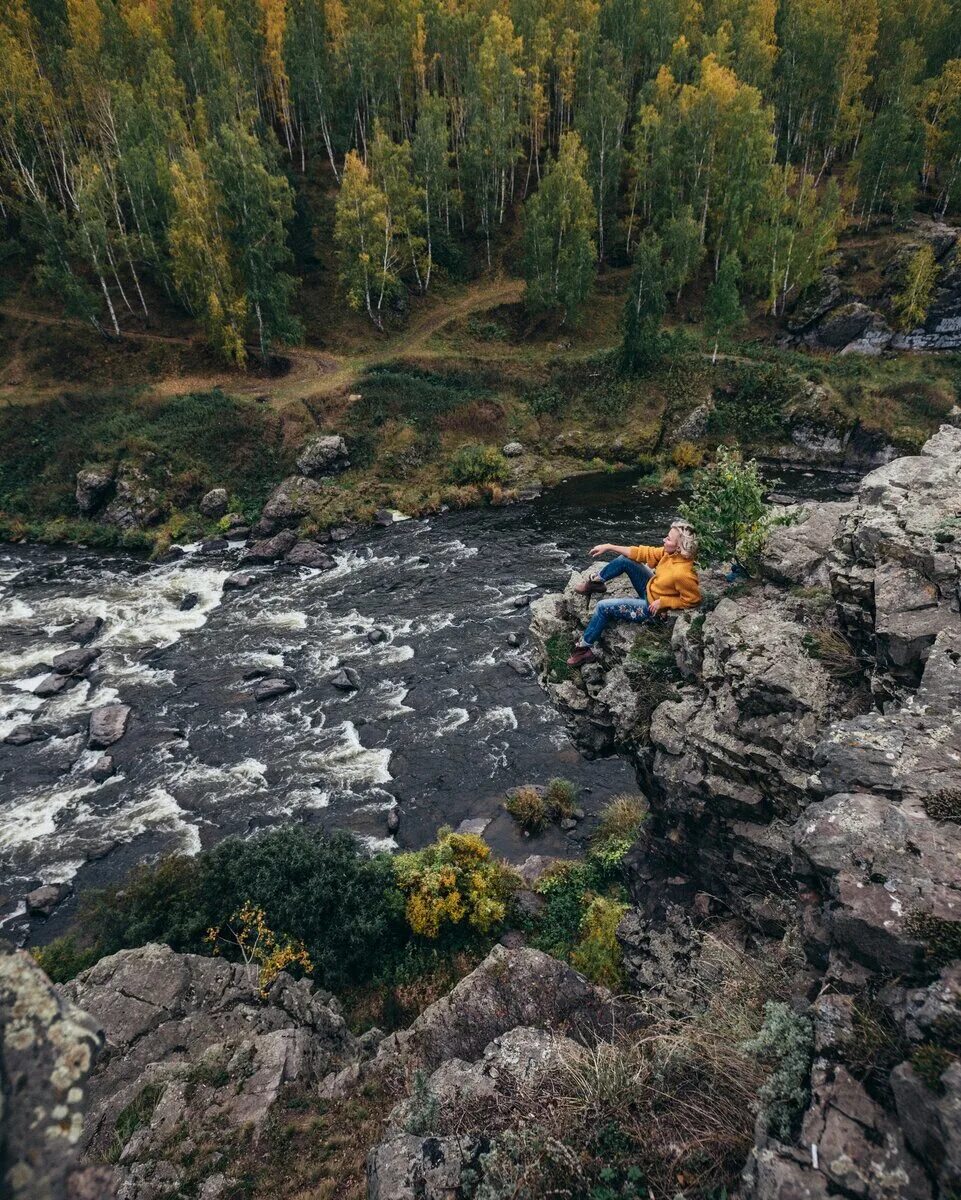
(674, 581)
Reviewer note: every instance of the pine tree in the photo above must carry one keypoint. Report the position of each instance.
(559, 250)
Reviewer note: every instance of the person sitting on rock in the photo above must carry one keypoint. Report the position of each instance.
(663, 576)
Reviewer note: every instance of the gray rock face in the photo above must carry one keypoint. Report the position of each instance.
(193, 1042)
(94, 485)
(85, 631)
(268, 689)
(816, 303)
(52, 685)
(896, 585)
(797, 554)
(108, 724)
(239, 581)
(135, 505)
(861, 1151)
(418, 1168)
(213, 505)
(289, 502)
(323, 455)
(47, 1050)
(74, 662)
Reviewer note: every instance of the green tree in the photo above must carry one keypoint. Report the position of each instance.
(559, 250)
(645, 307)
(911, 304)
(722, 309)
(600, 122)
(683, 250)
(257, 206)
(366, 253)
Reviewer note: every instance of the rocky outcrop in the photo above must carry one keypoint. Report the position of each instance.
(323, 455)
(136, 503)
(288, 503)
(48, 1048)
(852, 315)
(192, 1051)
(806, 776)
(94, 486)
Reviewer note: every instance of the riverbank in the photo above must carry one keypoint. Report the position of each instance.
(409, 426)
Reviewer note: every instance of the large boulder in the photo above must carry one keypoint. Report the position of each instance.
(213, 504)
(136, 503)
(288, 503)
(323, 455)
(195, 1046)
(48, 1048)
(860, 1151)
(108, 724)
(93, 488)
(271, 548)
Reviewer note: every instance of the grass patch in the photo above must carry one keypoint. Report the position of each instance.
(185, 445)
(833, 651)
(941, 939)
(135, 1116)
(559, 647)
(526, 805)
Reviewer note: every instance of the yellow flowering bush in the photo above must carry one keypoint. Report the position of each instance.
(259, 946)
(453, 882)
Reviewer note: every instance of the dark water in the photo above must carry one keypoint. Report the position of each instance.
(442, 723)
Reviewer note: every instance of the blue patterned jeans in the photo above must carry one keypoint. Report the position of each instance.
(627, 609)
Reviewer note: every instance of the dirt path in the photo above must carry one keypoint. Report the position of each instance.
(313, 372)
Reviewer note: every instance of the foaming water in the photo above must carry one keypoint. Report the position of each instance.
(440, 723)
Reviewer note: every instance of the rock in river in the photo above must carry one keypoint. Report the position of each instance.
(52, 685)
(74, 662)
(108, 724)
(239, 580)
(271, 548)
(43, 900)
(346, 679)
(276, 685)
(308, 554)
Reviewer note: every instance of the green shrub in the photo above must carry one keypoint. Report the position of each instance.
(395, 391)
(526, 805)
(752, 405)
(321, 890)
(486, 331)
(546, 401)
(598, 954)
(478, 464)
(454, 887)
(559, 647)
(727, 505)
(786, 1041)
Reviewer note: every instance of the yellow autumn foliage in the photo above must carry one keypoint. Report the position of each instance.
(453, 882)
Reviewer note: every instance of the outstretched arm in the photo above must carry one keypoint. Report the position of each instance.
(610, 548)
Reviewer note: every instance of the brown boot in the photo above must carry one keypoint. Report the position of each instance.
(588, 587)
(581, 656)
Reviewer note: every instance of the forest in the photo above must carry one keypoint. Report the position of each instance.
(183, 152)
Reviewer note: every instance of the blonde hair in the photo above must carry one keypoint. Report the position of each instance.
(686, 538)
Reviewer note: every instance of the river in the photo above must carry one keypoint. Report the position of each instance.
(447, 719)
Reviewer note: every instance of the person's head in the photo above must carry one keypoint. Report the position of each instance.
(681, 539)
